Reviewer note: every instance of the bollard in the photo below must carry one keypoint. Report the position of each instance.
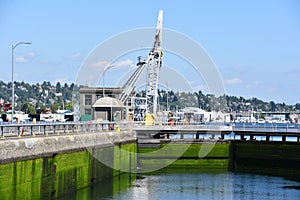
(2, 134)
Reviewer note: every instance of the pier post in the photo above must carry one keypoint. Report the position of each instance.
(213, 136)
(18, 131)
(251, 137)
(2, 132)
(283, 138)
(73, 128)
(242, 137)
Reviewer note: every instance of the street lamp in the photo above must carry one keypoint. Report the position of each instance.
(12, 78)
(105, 70)
(167, 97)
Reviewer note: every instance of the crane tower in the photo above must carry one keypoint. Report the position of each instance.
(153, 63)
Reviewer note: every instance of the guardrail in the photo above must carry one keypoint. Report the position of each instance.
(268, 128)
(56, 128)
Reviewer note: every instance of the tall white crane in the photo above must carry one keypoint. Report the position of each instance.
(153, 63)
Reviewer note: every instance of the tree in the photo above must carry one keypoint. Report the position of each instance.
(28, 108)
(69, 106)
(272, 106)
(58, 87)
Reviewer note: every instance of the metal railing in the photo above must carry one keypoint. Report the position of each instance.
(57, 128)
(268, 128)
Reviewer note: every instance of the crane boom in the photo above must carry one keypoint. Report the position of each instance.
(130, 84)
(153, 63)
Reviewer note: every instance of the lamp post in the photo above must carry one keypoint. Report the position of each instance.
(105, 70)
(12, 78)
(167, 97)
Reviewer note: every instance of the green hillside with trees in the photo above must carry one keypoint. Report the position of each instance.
(30, 97)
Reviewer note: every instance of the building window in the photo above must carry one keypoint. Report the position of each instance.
(88, 111)
(88, 100)
(98, 96)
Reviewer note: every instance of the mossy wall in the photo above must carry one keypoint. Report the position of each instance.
(62, 174)
(216, 159)
(269, 158)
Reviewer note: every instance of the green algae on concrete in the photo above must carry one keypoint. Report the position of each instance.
(72, 172)
(62, 174)
(186, 155)
(268, 158)
(188, 150)
(21, 180)
(125, 155)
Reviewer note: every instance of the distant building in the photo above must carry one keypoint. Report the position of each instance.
(93, 104)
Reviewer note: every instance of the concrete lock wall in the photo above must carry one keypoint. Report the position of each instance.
(258, 157)
(20, 149)
(50, 167)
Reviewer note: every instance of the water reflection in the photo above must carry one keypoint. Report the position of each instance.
(210, 186)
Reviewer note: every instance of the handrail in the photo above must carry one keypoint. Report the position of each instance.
(54, 128)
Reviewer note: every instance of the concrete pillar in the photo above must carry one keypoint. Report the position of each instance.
(197, 136)
(267, 138)
(283, 138)
(222, 136)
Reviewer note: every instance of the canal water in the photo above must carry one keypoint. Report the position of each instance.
(204, 185)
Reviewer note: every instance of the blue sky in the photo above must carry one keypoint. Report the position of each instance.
(254, 44)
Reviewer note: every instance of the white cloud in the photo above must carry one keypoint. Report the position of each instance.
(124, 63)
(21, 59)
(26, 58)
(233, 81)
(100, 64)
(103, 64)
(76, 57)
